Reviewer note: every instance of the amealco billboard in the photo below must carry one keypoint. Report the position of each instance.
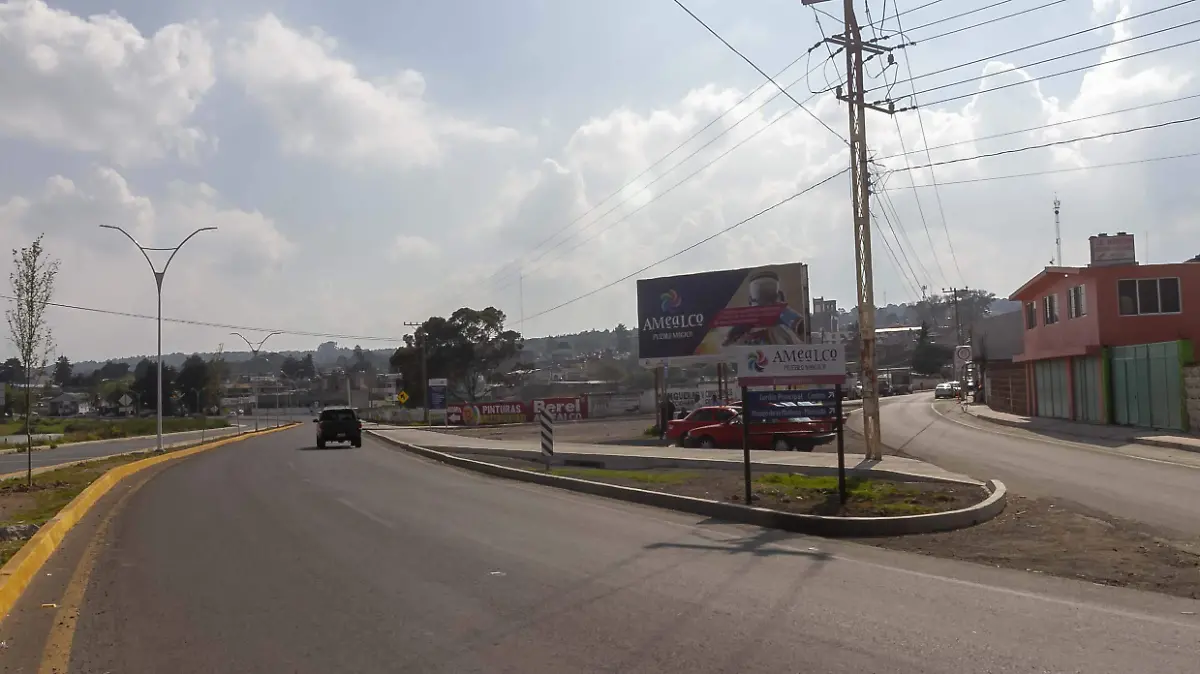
(698, 317)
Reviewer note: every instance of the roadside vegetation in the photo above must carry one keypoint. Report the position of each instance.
(24, 508)
(85, 430)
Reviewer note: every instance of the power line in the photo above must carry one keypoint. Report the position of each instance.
(885, 202)
(1054, 58)
(1068, 141)
(937, 194)
(981, 23)
(1048, 125)
(1043, 43)
(667, 191)
(907, 11)
(903, 253)
(208, 324)
(699, 243)
(895, 261)
(760, 70)
(1049, 76)
(966, 13)
(1074, 169)
(920, 209)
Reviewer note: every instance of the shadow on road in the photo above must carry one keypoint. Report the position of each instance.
(754, 544)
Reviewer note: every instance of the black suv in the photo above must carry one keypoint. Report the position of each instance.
(338, 424)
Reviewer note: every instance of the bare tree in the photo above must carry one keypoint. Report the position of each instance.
(32, 282)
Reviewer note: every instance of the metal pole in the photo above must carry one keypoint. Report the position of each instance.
(841, 446)
(158, 278)
(746, 444)
(203, 417)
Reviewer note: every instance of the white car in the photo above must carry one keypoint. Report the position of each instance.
(943, 390)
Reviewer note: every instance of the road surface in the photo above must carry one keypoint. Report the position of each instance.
(1155, 486)
(268, 555)
(16, 462)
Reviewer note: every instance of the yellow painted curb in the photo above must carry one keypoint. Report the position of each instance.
(16, 575)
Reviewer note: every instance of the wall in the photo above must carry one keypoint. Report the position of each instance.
(999, 337)
(1118, 330)
(1069, 336)
(1008, 389)
(1191, 382)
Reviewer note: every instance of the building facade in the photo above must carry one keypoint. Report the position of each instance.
(1108, 343)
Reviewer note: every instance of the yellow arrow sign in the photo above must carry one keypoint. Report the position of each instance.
(402, 397)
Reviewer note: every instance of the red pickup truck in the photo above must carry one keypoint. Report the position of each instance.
(800, 434)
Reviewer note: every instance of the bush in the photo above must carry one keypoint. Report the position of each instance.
(652, 431)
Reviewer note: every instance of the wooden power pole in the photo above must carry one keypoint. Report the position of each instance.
(854, 95)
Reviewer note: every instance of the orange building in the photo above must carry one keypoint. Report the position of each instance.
(1107, 343)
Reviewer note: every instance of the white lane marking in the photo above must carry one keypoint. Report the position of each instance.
(369, 515)
(1062, 443)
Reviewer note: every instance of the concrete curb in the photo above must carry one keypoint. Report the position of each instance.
(220, 430)
(634, 462)
(1130, 439)
(806, 524)
(19, 571)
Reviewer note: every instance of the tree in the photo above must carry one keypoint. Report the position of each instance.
(12, 371)
(32, 281)
(471, 348)
(145, 387)
(360, 363)
(308, 369)
(622, 337)
(928, 357)
(62, 371)
(290, 367)
(192, 383)
(111, 370)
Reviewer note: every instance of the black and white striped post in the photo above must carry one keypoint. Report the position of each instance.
(547, 423)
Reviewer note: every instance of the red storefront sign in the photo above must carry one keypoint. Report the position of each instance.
(561, 409)
(482, 414)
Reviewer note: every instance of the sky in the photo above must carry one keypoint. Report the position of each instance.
(373, 163)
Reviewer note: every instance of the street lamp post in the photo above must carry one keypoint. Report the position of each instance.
(254, 354)
(158, 282)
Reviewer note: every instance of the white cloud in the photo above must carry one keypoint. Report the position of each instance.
(98, 85)
(412, 248)
(226, 273)
(322, 106)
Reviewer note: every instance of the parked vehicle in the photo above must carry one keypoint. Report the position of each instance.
(799, 434)
(701, 416)
(943, 390)
(338, 424)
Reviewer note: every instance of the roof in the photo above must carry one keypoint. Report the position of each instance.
(1043, 277)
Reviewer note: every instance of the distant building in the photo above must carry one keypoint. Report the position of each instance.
(69, 405)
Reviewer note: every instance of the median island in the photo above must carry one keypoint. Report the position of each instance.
(56, 432)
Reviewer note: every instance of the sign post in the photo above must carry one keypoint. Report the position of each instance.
(547, 424)
(746, 442)
(436, 400)
(841, 446)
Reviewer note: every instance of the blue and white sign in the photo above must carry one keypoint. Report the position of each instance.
(807, 403)
(437, 394)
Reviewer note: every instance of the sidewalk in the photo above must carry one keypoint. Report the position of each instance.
(631, 456)
(1106, 434)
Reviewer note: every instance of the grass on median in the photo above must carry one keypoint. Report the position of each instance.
(51, 491)
(87, 430)
(639, 476)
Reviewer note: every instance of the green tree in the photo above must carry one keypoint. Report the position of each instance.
(12, 371)
(145, 385)
(471, 348)
(928, 357)
(308, 369)
(32, 282)
(623, 338)
(192, 383)
(62, 371)
(290, 367)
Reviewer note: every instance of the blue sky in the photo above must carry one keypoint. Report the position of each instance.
(371, 163)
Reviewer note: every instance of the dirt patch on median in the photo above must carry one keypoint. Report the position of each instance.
(1045, 536)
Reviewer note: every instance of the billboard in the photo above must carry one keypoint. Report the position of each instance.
(1115, 249)
(808, 364)
(561, 409)
(482, 414)
(698, 317)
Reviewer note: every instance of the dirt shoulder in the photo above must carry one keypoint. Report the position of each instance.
(1053, 537)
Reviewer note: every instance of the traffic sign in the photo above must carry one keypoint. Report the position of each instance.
(402, 397)
(125, 400)
(962, 356)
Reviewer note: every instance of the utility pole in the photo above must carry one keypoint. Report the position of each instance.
(957, 321)
(424, 370)
(860, 191)
(1058, 231)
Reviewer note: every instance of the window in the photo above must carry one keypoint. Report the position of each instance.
(1076, 302)
(338, 415)
(1030, 315)
(725, 415)
(1148, 296)
(701, 415)
(1050, 309)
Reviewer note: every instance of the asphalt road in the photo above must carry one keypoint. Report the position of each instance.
(1150, 485)
(15, 462)
(268, 555)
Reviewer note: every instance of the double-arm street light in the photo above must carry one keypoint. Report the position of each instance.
(254, 349)
(158, 281)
